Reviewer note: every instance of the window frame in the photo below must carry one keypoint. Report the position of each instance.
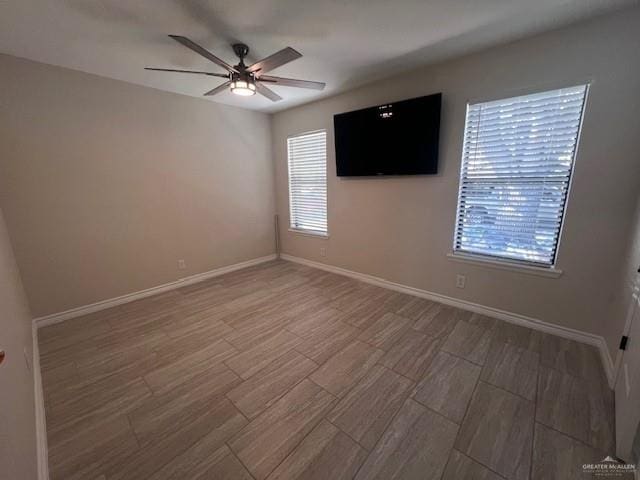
(507, 263)
(299, 230)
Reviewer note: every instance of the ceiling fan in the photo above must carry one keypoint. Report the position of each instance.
(246, 80)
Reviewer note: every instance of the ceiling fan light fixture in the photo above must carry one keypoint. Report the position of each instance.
(243, 88)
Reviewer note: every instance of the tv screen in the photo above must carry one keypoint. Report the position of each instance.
(399, 138)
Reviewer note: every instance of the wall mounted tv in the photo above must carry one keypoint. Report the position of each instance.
(399, 138)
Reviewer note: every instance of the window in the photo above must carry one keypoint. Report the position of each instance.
(308, 182)
(517, 160)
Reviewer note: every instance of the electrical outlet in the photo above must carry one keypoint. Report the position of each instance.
(460, 281)
(323, 252)
(182, 264)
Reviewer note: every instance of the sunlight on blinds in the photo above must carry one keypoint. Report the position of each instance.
(517, 161)
(308, 181)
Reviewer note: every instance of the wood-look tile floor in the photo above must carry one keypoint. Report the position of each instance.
(282, 371)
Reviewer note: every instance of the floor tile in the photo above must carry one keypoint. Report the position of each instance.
(326, 453)
(175, 349)
(346, 367)
(571, 357)
(101, 356)
(558, 456)
(255, 359)
(448, 386)
(226, 466)
(261, 390)
(255, 331)
(169, 376)
(64, 334)
(468, 341)
(416, 308)
(512, 368)
(412, 354)
(206, 459)
(299, 302)
(322, 343)
(127, 364)
(337, 286)
(384, 332)
(415, 446)
(269, 439)
(365, 411)
(498, 431)
(88, 452)
(517, 336)
(63, 375)
(396, 301)
(91, 404)
(576, 407)
(352, 300)
(482, 321)
(461, 467)
(249, 300)
(314, 323)
(207, 326)
(366, 313)
(158, 415)
(221, 421)
(438, 321)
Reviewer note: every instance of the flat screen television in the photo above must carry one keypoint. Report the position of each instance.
(399, 138)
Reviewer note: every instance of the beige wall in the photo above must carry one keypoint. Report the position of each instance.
(105, 185)
(17, 425)
(401, 229)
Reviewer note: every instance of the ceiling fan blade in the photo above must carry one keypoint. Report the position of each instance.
(292, 82)
(205, 53)
(267, 92)
(218, 89)
(221, 75)
(276, 60)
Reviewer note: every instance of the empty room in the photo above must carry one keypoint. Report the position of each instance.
(295, 240)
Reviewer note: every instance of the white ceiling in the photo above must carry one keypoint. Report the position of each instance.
(344, 43)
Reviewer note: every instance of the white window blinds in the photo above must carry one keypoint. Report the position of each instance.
(308, 181)
(517, 160)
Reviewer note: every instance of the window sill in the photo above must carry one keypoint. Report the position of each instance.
(309, 233)
(505, 265)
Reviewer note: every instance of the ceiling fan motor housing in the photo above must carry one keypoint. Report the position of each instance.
(241, 51)
(242, 75)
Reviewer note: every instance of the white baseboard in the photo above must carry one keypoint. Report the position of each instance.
(130, 297)
(41, 425)
(510, 317)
